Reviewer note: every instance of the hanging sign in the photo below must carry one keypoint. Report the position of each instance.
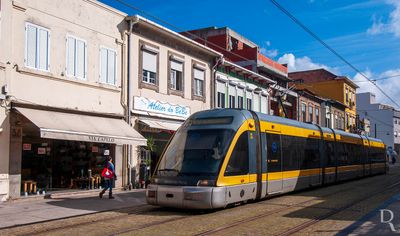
(145, 104)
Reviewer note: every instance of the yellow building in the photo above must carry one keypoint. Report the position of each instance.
(328, 85)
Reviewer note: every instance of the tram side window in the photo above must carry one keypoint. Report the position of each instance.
(290, 150)
(350, 153)
(239, 162)
(342, 154)
(330, 154)
(274, 153)
(377, 155)
(311, 154)
(357, 153)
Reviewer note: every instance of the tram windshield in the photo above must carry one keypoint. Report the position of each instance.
(195, 152)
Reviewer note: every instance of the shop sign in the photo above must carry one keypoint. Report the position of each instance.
(41, 151)
(27, 147)
(144, 104)
(95, 149)
(101, 139)
(106, 152)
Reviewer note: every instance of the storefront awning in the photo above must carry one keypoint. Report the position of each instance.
(158, 124)
(76, 127)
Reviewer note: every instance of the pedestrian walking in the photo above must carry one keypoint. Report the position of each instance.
(109, 177)
(394, 157)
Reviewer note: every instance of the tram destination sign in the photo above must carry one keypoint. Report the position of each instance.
(149, 105)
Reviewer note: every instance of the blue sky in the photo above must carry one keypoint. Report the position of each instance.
(366, 33)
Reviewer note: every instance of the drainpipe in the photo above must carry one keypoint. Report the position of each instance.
(220, 61)
(129, 100)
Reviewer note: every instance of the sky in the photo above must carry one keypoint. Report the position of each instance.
(366, 33)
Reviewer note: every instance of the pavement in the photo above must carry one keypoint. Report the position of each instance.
(17, 213)
(383, 220)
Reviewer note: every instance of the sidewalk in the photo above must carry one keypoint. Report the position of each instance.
(29, 212)
(379, 220)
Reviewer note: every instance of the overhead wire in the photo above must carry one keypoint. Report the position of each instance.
(316, 37)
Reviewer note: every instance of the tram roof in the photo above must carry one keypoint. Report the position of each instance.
(241, 115)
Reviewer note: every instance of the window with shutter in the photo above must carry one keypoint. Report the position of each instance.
(80, 59)
(108, 66)
(76, 58)
(264, 104)
(149, 66)
(43, 47)
(31, 44)
(176, 74)
(256, 102)
(198, 82)
(37, 41)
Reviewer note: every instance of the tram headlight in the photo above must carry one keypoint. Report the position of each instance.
(206, 182)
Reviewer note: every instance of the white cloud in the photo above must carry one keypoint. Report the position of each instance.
(394, 24)
(386, 85)
(271, 53)
(302, 63)
(391, 26)
(377, 27)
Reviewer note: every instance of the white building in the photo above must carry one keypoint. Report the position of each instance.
(384, 119)
(63, 102)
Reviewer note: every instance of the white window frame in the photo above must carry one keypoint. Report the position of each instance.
(148, 49)
(37, 42)
(75, 57)
(199, 90)
(116, 66)
(174, 76)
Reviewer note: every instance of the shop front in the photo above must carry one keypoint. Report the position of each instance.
(56, 151)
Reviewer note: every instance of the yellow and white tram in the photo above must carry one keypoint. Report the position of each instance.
(226, 156)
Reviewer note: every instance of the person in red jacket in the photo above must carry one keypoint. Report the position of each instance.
(109, 180)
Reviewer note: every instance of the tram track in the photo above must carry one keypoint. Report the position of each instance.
(154, 212)
(300, 226)
(309, 223)
(153, 224)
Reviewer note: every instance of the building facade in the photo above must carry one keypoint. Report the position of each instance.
(238, 87)
(333, 114)
(384, 120)
(63, 100)
(171, 77)
(328, 85)
(243, 52)
(309, 106)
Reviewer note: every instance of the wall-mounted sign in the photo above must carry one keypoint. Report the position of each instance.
(95, 149)
(144, 104)
(106, 152)
(27, 147)
(41, 151)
